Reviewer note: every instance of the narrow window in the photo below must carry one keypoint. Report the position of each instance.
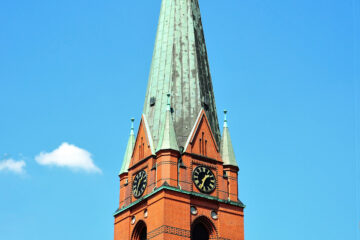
(205, 147)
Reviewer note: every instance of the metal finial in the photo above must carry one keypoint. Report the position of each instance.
(132, 125)
(168, 102)
(225, 118)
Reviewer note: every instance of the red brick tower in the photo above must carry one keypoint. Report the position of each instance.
(179, 176)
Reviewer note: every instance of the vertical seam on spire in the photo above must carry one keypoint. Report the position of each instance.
(163, 48)
(187, 96)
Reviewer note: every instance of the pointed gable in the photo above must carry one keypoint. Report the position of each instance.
(143, 145)
(201, 140)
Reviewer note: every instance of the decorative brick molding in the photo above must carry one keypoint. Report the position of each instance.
(169, 230)
(175, 231)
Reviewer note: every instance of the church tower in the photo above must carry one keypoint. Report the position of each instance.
(179, 176)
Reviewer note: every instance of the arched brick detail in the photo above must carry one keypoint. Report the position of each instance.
(208, 224)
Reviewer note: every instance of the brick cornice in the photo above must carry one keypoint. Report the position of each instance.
(169, 188)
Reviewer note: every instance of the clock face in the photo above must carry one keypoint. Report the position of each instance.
(204, 179)
(139, 184)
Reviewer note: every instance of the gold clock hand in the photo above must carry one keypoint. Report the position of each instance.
(140, 182)
(203, 180)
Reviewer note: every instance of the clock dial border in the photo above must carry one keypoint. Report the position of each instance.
(142, 191)
(196, 185)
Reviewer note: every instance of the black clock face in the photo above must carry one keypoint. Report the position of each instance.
(139, 184)
(204, 179)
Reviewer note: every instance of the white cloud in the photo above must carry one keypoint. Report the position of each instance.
(13, 166)
(70, 156)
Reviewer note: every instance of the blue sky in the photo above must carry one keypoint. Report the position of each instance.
(72, 74)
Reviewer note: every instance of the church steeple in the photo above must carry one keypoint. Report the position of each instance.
(174, 183)
(180, 67)
(129, 150)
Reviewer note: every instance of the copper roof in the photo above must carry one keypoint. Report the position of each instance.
(180, 67)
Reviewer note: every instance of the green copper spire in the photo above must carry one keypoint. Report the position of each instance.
(168, 138)
(227, 150)
(129, 150)
(180, 67)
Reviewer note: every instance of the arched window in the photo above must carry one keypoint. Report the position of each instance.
(203, 229)
(140, 231)
(199, 232)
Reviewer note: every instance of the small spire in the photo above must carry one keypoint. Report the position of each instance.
(129, 150)
(227, 150)
(168, 137)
